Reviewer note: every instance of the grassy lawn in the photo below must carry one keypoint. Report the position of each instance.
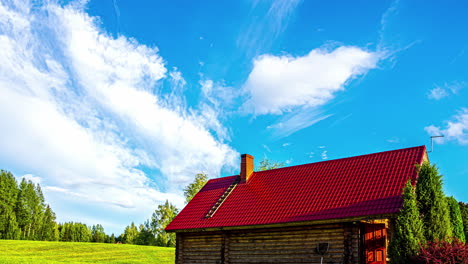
(18, 251)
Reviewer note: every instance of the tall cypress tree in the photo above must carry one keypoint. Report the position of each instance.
(408, 233)
(456, 219)
(432, 204)
(464, 215)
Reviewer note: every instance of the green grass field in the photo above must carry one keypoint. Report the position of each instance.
(19, 251)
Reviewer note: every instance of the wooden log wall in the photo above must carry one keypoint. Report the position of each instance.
(275, 245)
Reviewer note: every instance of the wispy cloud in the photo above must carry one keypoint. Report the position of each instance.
(79, 111)
(437, 93)
(324, 155)
(454, 130)
(445, 90)
(296, 121)
(266, 148)
(268, 19)
(393, 140)
(385, 20)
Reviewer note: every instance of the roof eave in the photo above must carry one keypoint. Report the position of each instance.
(299, 223)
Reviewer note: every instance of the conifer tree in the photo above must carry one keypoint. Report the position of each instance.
(456, 219)
(48, 230)
(8, 196)
(432, 204)
(464, 215)
(408, 234)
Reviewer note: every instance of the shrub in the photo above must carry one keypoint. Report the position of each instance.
(444, 252)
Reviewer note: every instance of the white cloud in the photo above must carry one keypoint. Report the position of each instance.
(30, 177)
(268, 20)
(394, 140)
(455, 130)
(79, 111)
(287, 144)
(266, 148)
(324, 155)
(280, 84)
(437, 93)
(296, 121)
(445, 90)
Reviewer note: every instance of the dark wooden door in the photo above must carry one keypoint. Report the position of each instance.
(375, 236)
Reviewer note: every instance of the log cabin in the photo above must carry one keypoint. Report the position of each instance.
(335, 211)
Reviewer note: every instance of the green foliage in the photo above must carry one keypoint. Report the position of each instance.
(145, 235)
(111, 239)
(432, 204)
(24, 215)
(8, 189)
(49, 229)
(97, 233)
(130, 234)
(74, 232)
(456, 219)
(408, 233)
(8, 195)
(464, 216)
(193, 188)
(21, 252)
(30, 209)
(8, 225)
(159, 220)
(266, 164)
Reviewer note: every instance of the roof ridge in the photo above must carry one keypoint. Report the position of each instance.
(345, 158)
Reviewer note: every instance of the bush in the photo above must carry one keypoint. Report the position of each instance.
(444, 252)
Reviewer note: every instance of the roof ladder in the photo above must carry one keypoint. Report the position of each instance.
(223, 198)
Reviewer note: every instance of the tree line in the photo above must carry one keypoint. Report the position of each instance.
(428, 218)
(25, 215)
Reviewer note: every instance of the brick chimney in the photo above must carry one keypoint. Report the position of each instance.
(247, 167)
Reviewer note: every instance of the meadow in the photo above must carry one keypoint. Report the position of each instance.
(21, 251)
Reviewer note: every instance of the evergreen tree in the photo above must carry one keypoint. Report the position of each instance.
(8, 189)
(8, 226)
(30, 208)
(39, 208)
(8, 196)
(159, 220)
(48, 230)
(456, 219)
(408, 232)
(464, 215)
(195, 186)
(432, 204)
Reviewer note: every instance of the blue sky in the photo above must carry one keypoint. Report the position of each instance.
(113, 106)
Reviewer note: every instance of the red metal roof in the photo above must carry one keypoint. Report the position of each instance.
(350, 187)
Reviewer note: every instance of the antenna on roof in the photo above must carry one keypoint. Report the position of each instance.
(432, 142)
